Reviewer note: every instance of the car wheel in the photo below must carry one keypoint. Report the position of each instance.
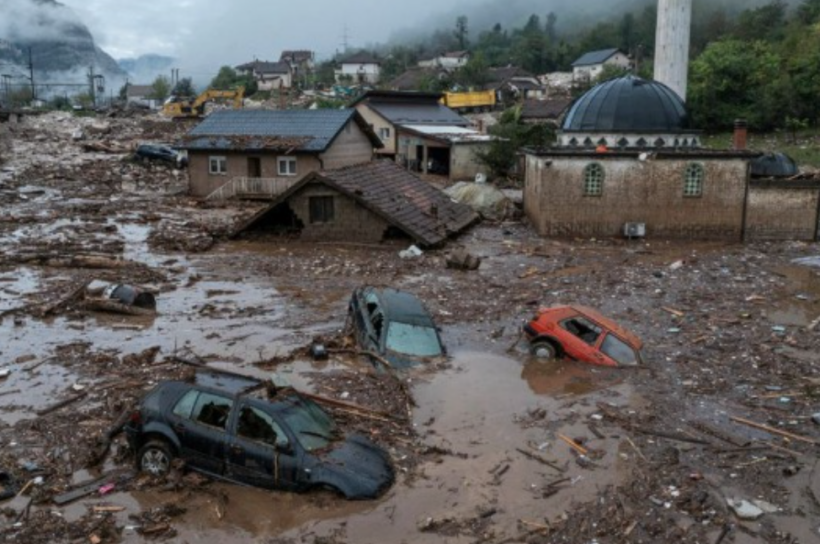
(155, 458)
(543, 350)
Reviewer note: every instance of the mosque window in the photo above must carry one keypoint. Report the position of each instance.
(594, 180)
(693, 180)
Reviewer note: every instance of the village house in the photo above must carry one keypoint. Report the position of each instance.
(421, 134)
(301, 62)
(269, 76)
(359, 69)
(260, 153)
(589, 66)
(416, 79)
(368, 203)
(537, 112)
(628, 162)
(448, 61)
(512, 84)
(142, 95)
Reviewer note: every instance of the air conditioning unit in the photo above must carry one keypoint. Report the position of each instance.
(635, 230)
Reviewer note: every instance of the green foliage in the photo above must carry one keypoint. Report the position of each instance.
(475, 73)
(228, 79)
(610, 71)
(501, 156)
(60, 103)
(185, 88)
(766, 23)
(461, 32)
(160, 88)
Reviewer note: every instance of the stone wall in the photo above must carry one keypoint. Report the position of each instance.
(783, 210)
(352, 222)
(642, 191)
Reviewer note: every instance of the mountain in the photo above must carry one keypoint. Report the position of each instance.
(62, 48)
(145, 69)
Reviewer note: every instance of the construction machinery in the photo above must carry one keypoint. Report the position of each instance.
(470, 100)
(185, 108)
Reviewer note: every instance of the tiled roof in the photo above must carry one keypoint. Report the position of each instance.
(413, 78)
(417, 114)
(545, 109)
(265, 67)
(401, 198)
(297, 130)
(363, 57)
(595, 57)
(296, 56)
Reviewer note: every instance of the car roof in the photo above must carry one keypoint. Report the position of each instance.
(402, 306)
(607, 323)
(229, 383)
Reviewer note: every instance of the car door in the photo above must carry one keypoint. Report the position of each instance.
(260, 453)
(203, 435)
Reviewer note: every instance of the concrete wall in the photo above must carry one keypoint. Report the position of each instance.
(378, 122)
(649, 192)
(351, 220)
(464, 165)
(780, 210)
(204, 183)
(351, 146)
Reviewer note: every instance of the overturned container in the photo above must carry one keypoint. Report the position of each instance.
(131, 296)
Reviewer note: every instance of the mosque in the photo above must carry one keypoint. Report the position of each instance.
(628, 162)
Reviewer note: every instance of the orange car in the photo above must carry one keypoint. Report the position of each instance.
(582, 334)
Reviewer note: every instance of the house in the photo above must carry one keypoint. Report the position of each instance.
(448, 61)
(590, 65)
(416, 79)
(142, 95)
(301, 61)
(544, 111)
(359, 69)
(259, 153)
(628, 160)
(512, 84)
(269, 76)
(369, 203)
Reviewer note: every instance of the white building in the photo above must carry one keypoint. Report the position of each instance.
(448, 61)
(590, 65)
(359, 69)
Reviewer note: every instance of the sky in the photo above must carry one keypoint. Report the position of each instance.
(208, 33)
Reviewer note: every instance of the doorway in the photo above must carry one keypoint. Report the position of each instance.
(254, 167)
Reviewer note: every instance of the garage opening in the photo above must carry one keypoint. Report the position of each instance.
(438, 161)
(279, 221)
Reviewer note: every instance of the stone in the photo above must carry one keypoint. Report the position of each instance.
(744, 509)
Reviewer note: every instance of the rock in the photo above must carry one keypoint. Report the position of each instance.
(744, 509)
(486, 199)
(767, 507)
(461, 259)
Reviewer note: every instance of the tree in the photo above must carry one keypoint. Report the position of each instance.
(808, 13)
(764, 23)
(461, 32)
(501, 155)
(160, 88)
(550, 30)
(184, 88)
(225, 79)
(611, 71)
(475, 73)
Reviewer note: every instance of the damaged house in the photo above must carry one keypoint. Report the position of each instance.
(261, 153)
(368, 202)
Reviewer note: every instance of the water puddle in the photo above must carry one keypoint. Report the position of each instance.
(803, 307)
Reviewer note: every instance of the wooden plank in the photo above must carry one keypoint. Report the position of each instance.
(772, 430)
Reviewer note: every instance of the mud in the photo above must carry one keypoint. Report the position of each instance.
(730, 331)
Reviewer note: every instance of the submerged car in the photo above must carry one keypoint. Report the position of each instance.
(582, 334)
(164, 153)
(220, 426)
(395, 325)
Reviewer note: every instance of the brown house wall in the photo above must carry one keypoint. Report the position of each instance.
(204, 183)
(352, 221)
(782, 213)
(378, 122)
(649, 192)
(350, 147)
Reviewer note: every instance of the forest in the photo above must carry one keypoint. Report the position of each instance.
(760, 63)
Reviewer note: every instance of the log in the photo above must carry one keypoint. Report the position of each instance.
(540, 459)
(61, 404)
(772, 430)
(73, 294)
(573, 444)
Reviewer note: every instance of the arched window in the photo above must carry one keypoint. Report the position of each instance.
(693, 179)
(594, 180)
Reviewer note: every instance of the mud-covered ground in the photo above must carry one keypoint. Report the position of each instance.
(489, 446)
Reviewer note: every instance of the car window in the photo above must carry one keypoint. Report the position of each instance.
(412, 340)
(615, 348)
(258, 426)
(185, 405)
(584, 329)
(212, 410)
(313, 428)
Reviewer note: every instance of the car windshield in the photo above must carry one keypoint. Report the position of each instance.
(414, 340)
(616, 349)
(313, 428)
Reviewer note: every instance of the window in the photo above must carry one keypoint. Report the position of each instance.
(614, 348)
(218, 165)
(693, 180)
(594, 180)
(321, 209)
(185, 405)
(287, 166)
(384, 134)
(258, 426)
(212, 410)
(583, 329)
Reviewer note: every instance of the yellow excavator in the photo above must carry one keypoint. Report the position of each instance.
(185, 108)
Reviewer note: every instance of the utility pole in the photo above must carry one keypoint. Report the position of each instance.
(31, 75)
(91, 85)
(345, 40)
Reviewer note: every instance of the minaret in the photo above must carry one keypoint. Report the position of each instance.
(672, 44)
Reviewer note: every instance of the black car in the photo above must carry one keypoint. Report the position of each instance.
(157, 152)
(221, 426)
(395, 325)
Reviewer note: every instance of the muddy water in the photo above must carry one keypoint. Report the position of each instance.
(803, 306)
(471, 410)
